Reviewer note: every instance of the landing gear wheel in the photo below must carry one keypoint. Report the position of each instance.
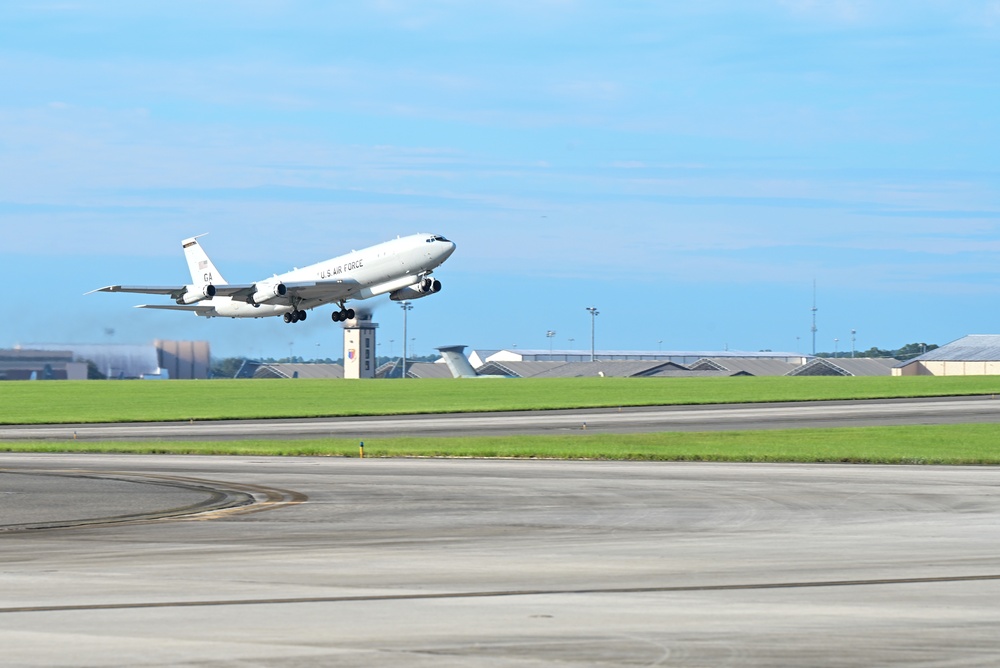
(302, 315)
(349, 314)
(287, 317)
(335, 316)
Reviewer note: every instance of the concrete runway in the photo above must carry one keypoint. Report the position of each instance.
(354, 562)
(947, 410)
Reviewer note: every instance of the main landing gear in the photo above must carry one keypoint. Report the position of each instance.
(295, 316)
(343, 315)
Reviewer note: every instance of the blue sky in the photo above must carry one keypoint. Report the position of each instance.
(688, 168)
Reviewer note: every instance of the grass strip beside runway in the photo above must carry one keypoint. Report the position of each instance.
(975, 444)
(66, 402)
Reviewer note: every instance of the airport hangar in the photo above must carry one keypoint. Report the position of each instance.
(970, 355)
(162, 359)
(976, 354)
(619, 364)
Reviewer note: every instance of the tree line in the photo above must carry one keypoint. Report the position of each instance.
(909, 351)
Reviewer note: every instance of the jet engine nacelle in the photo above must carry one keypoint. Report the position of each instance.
(195, 293)
(428, 286)
(266, 292)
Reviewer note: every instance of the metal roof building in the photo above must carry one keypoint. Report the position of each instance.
(972, 355)
(427, 370)
(682, 357)
(846, 366)
(39, 364)
(609, 368)
(114, 360)
(283, 370)
(161, 359)
(749, 366)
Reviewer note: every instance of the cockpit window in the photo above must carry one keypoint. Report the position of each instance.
(437, 237)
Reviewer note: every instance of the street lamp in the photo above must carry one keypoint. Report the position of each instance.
(549, 334)
(406, 306)
(853, 332)
(593, 318)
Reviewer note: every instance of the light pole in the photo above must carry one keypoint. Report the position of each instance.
(406, 306)
(593, 319)
(814, 330)
(836, 348)
(549, 334)
(853, 332)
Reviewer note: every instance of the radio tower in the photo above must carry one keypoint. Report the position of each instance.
(814, 317)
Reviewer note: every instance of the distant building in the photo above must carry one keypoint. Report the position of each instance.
(40, 364)
(671, 364)
(972, 355)
(847, 366)
(161, 359)
(682, 357)
(632, 364)
(360, 347)
(750, 366)
(285, 370)
(184, 359)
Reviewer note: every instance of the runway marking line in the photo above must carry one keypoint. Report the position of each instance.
(499, 594)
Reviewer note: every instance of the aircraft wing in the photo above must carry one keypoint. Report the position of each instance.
(197, 308)
(175, 291)
(238, 291)
(330, 290)
(327, 290)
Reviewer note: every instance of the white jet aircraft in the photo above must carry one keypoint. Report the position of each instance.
(400, 268)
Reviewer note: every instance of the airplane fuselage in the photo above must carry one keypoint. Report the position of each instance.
(400, 268)
(376, 270)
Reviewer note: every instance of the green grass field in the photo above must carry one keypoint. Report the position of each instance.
(945, 444)
(143, 401)
(137, 401)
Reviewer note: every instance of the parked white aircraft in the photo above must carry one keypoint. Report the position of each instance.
(400, 268)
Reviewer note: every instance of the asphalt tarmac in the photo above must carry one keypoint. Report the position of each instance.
(947, 410)
(226, 561)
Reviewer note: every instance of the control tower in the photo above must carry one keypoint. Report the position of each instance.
(359, 347)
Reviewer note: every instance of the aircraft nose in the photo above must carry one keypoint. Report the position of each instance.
(447, 250)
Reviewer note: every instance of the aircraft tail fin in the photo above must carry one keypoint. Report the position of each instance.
(202, 269)
(458, 363)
